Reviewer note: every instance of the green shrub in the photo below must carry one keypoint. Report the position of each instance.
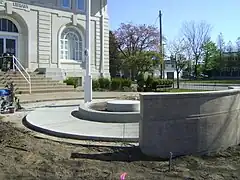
(74, 81)
(154, 84)
(166, 82)
(126, 83)
(148, 84)
(162, 83)
(140, 82)
(104, 83)
(116, 84)
(95, 84)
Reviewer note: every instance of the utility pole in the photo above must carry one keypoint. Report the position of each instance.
(161, 46)
(88, 54)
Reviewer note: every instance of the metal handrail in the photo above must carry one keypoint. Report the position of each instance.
(28, 78)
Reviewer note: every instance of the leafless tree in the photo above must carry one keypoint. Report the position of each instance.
(188, 54)
(221, 43)
(177, 49)
(229, 47)
(196, 35)
(238, 44)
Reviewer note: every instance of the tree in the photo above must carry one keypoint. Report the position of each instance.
(238, 44)
(229, 47)
(143, 62)
(114, 56)
(221, 48)
(189, 57)
(230, 60)
(177, 49)
(238, 52)
(210, 58)
(196, 35)
(221, 43)
(134, 39)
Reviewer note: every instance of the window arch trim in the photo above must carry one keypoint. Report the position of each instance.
(64, 54)
(7, 25)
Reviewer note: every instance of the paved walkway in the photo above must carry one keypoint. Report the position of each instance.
(26, 98)
(59, 122)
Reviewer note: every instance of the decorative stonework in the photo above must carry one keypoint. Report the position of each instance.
(44, 37)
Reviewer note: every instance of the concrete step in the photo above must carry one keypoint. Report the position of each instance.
(22, 78)
(35, 81)
(41, 84)
(38, 80)
(16, 72)
(56, 86)
(20, 75)
(45, 90)
(50, 88)
(36, 84)
(45, 86)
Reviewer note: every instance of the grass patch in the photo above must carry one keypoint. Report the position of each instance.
(213, 81)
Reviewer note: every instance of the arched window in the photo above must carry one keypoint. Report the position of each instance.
(71, 47)
(7, 26)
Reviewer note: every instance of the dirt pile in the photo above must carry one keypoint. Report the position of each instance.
(22, 156)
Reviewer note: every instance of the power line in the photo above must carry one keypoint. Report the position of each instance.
(156, 21)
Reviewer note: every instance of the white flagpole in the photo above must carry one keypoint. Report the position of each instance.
(88, 53)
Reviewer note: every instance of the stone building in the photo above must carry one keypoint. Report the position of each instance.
(49, 36)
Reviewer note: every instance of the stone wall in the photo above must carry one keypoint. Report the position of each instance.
(189, 123)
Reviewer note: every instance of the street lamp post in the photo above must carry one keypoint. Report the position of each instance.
(88, 53)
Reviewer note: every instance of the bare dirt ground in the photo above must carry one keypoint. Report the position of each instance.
(23, 156)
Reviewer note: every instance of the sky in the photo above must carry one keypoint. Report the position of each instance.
(222, 15)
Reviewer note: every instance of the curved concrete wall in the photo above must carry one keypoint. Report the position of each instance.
(189, 123)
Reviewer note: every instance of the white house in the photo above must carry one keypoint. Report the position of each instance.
(48, 35)
(169, 69)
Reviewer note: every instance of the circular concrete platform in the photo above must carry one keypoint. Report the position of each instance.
(123, 106)
(58, 121)
(86, 111)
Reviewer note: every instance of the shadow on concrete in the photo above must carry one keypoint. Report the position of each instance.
(123, 154)
(76, 114)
